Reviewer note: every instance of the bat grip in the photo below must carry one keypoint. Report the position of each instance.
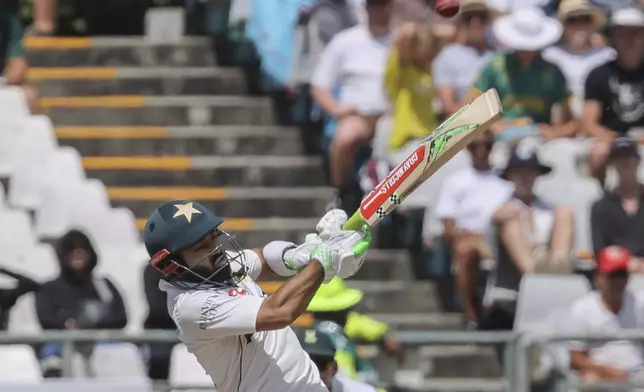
(355, 222)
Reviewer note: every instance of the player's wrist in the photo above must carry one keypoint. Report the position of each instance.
(279, 256)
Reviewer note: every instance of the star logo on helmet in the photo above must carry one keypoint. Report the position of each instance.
(186, 210)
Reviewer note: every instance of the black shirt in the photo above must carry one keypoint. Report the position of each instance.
(621, 95)
(611, 225)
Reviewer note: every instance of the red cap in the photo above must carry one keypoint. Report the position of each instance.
(613, 258)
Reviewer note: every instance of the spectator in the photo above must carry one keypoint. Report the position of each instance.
(44, 18)
(611, 6)
(9, 296)
(332, 17)
(332, 311)
(322, 351)
(13, 62)
(458, 65)
(157, 355)
(614, 102)
(575, 55)
(355, 62)
(465, 205)
(608, 310)
(530, 88)
(409, 84)
(530, 237)
(77, 299)
(618, 217)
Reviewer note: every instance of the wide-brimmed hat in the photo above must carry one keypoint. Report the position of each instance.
(527, 29)
(334, 297)
(572, 8)
(521, 156)
(628, 17)
(473, 6)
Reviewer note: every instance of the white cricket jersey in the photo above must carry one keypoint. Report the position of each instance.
(218, 326)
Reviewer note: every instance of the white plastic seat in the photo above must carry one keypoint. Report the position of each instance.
(3, 200)
(18, 363)
(540, 295)
(16, 230)
(112, 228)
(30, 141)
(69, 206)
(562, 154)
(13, 105)
(117, 360)
(35, 177)
(186, 370)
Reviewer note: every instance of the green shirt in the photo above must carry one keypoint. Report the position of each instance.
(525, 93)
(10, 39)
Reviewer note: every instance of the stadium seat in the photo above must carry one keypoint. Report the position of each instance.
(16, 231)
(3, 199)
(13, 105)
(31, 141)
(186, 370)
(69, 206)
(540, 295)
(562, 154)
(117, 360)
(113, 228)
(19, 364)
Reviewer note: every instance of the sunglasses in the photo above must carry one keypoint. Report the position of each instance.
(579, 20)
(471, 16)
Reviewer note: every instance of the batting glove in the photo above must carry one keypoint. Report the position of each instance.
(331, 223)
(298, 258)
(351, 247)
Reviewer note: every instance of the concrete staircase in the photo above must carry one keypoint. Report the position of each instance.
(157, 123)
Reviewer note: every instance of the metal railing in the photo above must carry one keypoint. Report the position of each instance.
(516, 351)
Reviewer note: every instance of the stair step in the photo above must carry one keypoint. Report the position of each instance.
(251, 233)
(128, 110)
(214, 140)
(386, 296)
(135, 51)
(413, 384)
(198, 170)
(461, 361)
(149, 81)
(261, 202)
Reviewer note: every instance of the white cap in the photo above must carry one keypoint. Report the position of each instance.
(631, 16)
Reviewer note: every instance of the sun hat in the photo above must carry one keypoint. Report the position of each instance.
(521, 156)
(628, 17)
(571, 8)
(473, 6)
(334, 296)
(527, 29)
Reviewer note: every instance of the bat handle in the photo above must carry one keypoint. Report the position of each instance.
(355, 222)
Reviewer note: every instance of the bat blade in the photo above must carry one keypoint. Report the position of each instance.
(432, 153)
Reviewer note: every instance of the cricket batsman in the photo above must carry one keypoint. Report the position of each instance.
(240, 335)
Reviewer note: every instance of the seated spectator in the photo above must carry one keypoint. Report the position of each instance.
(157, 355)
(465, 205)
(610, 309)
(410, 88)
(531, 89)
(13, 62)
(77, 299)
(530, 237)
(355, 62)
(332, 312)
(618, 217)
(575, 55)
(614, 102)
(322, 351)
(9, 296)
(458, 65)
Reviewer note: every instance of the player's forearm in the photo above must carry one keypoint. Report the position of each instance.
(288, 302)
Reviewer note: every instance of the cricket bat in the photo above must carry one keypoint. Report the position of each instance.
(431, 154)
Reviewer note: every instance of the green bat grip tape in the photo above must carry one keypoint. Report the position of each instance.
(355, 222)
